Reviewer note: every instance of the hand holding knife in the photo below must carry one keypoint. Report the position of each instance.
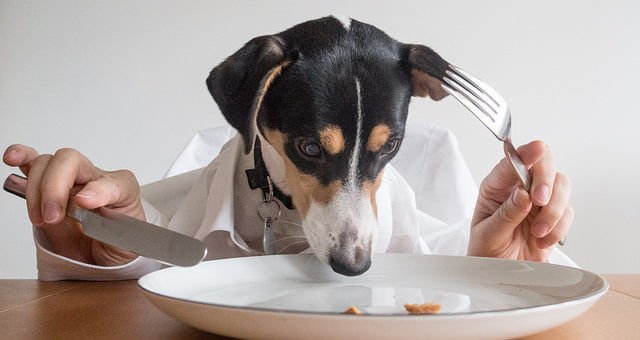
(128, 233)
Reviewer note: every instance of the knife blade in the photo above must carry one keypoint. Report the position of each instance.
(128, 233)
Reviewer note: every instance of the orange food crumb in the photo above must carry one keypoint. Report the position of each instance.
(353, 310)
(422, 308)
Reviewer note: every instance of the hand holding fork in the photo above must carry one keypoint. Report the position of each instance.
(513, 228)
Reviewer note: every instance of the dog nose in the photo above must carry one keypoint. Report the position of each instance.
(349, 256)
(350, 266)
(348, 269)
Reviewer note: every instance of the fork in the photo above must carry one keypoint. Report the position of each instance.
(491, 109)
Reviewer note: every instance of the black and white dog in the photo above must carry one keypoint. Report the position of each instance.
(331, 96)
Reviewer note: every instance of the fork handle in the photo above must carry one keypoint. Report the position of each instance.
(516, 163)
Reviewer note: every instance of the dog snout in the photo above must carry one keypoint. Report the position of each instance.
(348, 257)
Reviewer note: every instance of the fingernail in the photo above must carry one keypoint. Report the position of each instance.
(519, 197)
(51, 212)
(539, 229)
(86, 194)
(542, 193)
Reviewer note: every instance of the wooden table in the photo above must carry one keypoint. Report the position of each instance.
(30, 309)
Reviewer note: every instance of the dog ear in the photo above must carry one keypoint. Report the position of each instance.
(427, 70)
(239, 84)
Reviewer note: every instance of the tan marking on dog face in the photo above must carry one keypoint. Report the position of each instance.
(370, 188)
(305, 188)
(332, 139)
(378, 137)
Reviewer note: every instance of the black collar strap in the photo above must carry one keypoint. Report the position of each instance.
(258, 177)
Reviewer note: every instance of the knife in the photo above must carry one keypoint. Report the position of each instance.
(128, 233)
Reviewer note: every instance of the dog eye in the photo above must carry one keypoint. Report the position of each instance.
(390, 146)
(310, 148)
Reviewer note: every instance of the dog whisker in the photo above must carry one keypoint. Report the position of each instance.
(291, 244)
(302, 238)
(292, 223)
(291, 238)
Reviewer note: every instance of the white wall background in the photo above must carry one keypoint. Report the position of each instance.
(123, 82)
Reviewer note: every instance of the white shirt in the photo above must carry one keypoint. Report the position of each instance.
(425, 203)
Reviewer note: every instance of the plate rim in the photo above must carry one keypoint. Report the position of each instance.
(582, 299)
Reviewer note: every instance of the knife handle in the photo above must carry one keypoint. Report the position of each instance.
(16, 185)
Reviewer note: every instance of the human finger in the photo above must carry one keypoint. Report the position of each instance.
(498, 185)
(532, 152)
(21, 156)
(543, 174)
(549, 215)
(508, 215)
(559, 232)
(32, 191)
(66, 168)
(114, 189)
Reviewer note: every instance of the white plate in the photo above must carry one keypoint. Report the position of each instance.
(296, 297)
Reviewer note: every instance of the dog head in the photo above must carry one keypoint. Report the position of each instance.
(332, 98)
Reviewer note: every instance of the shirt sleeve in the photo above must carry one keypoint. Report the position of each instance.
(54, 267)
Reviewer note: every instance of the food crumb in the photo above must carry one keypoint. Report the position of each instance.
(422, 308)
(353, 310)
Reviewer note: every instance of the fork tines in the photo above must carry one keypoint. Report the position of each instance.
(477, 96)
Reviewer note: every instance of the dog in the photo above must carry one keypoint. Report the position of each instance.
(331, 96)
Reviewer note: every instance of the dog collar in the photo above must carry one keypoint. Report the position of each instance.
(257, 177)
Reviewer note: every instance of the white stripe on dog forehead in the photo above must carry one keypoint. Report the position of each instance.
(353, 161)
(344, 20)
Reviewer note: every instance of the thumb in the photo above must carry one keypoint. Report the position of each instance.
(508, 215)
(118, 190)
